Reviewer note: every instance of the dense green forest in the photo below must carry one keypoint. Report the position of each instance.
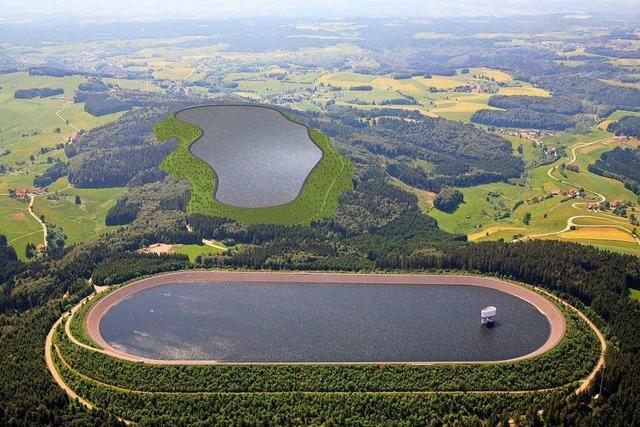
(627, 126)
(119, 152)
(460, 154)
(624, 98)
(52, 174)
(622, 164)
(523, 118)
(43, 92)
(555, 104)
(448, 199)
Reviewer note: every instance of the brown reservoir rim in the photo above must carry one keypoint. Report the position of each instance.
(546, 307)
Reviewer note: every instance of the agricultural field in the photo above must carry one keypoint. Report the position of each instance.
(80, 222)
(32, 133)
(18, 225)
(616, 115)
(434, 96)
(489, 211)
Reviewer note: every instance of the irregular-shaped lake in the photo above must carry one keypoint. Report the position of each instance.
(295, 322)
(261, 158)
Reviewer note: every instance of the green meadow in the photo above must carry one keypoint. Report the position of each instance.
(81, 222)
(193, 251)
(488, 213)
(26, 127)
(18, 225)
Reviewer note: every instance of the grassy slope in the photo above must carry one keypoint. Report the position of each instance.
(80, 222)
(318, 198)
(476, 216)
(17, 225)
(192, 251)
(37, 118)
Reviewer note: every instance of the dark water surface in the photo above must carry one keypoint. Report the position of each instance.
(260, 157)
(254, 322)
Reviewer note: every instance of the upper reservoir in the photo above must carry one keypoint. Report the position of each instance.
(260, 157)
(237, 321)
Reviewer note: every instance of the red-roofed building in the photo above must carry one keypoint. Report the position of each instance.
(21, 193)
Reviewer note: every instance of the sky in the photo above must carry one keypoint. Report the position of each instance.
(141, 9)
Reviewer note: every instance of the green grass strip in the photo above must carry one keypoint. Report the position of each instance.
(318, 198)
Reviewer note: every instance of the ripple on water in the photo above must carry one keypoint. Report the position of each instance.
(266, 322)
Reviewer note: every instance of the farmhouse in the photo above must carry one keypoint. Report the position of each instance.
(21, 192)
(616, 204)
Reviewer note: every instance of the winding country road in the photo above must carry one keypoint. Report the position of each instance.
(50, 347)
(579, 205)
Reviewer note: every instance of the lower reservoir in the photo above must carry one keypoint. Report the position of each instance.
(235, 321)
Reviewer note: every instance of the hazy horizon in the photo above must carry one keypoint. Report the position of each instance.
(27, 10)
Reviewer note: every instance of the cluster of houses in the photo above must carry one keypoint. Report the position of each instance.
(613, 205)
(570, 192)
(533, 134)
(23, 193)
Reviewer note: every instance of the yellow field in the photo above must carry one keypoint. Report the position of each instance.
(604, 124)
(413, 85)
(178, 73)
(525, 90)
(345, 80)
(438, 82)
(403, 85)
(621, 84)
(626, 62)
(159, 63)
(463, 106)
(489, 231)
(600, 233)
(497, 75)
